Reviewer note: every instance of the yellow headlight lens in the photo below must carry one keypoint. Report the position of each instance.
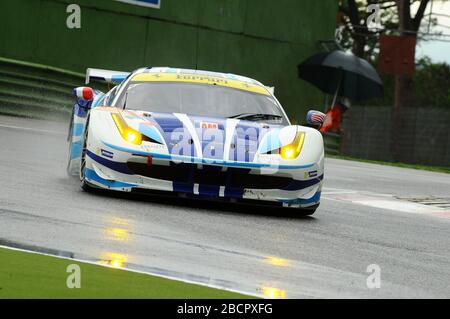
(130, 135)
(292, 151)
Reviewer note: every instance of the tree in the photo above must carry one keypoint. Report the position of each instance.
(408, 26)
(431, 84)
(357, 35)
(395, 15)
(404, 84)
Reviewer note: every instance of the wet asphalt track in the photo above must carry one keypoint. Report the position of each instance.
(244, 248)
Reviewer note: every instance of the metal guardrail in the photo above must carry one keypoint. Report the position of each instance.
(332, 143)
(36, 90)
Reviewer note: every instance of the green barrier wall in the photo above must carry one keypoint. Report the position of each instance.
(263, 39)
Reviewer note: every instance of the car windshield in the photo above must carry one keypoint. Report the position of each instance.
(199, 99)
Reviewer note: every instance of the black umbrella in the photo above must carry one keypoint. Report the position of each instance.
(343, 74)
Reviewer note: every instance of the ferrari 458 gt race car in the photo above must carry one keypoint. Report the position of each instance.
(197, 134)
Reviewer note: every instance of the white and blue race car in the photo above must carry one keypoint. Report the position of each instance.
(197, 134)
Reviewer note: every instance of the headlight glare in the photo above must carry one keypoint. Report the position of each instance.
(292, 151)
(128, 134)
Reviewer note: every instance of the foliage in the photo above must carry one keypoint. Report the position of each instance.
(357, 35)
(361, 38)
(431, 82)
(431, 85)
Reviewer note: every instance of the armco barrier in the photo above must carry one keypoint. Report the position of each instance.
(35, 90)
(332, 142)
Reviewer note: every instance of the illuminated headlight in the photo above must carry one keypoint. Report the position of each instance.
(292, 151)
(130, 135)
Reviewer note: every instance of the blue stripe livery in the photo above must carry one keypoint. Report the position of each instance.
(91, 175)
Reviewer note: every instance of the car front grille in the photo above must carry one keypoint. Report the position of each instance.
(209, 175)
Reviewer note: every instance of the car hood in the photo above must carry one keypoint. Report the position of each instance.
(209, 137)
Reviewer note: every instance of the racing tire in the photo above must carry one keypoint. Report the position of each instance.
(69, 169)
(70, 133)
(83, 183)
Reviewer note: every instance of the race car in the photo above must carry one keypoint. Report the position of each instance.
(196, 134)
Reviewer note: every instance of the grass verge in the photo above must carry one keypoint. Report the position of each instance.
(29, 275)
(396, 164)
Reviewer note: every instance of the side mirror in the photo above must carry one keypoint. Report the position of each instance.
(315, 118)
(84, 96)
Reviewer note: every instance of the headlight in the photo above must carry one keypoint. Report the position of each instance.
(292, 151)
(130, 135)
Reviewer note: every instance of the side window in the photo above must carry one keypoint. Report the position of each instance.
(100, 101)
(109, 97)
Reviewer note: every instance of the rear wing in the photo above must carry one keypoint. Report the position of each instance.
(109, 76)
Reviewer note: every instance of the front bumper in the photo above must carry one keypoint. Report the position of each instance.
(123, 171)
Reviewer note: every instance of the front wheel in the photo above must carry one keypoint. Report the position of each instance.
(70, 169)
(83, 183)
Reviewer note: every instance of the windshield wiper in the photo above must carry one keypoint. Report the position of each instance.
(255, 116)
(125, 102)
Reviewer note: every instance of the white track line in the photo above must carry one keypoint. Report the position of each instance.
(383, 201)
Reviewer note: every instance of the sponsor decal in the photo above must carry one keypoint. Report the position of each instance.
(312, 174)
(201, 79)
(144, 3)
(107, 153)
(268, 159)
(152, 147)
(209, 125)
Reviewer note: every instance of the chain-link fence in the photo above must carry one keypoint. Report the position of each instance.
(422, 135)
